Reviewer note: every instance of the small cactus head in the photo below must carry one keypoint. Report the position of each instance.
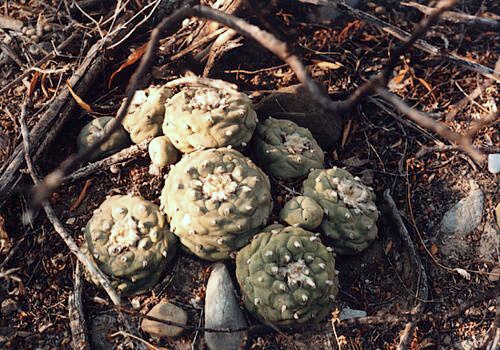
(145, 114)
(94, 130)
(216, 200)
(285, 149)
(200, 117)
(350, 212)
(303, 212)
(129, 240)
(162, 153)
(287, 276)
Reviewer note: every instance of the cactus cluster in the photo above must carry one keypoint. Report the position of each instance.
(215, 201)
(285, 149)
(208, 117)
(351, 215)
(128, 238)
(95, 130)
(287, 276)
(218, 202)
(144, 117)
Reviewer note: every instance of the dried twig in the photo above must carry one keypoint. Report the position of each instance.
(422, 284)
(58, 226)
(125, 155)
(76, 317)
(481, 23)
(427, 122)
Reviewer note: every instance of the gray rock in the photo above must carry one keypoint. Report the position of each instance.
(494, 163)
(102, 327)
(489, 243)
(168, 312)
(348, 313)
(222, 311)
(296, 104)
(465, 215)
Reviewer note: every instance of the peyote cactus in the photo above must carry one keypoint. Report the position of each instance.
(208, 117)
(94, 130)
(302, 212)
(216, 200)
(129, 240)
(350, 213)
(162, 153)
(285, 149)
(145, 114)
(287, 276)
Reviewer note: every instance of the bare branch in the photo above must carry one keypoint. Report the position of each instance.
(459, 17)
(76, 317)
(58, 226)
(427, 122)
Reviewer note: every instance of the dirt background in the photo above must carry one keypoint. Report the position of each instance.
(374, 145)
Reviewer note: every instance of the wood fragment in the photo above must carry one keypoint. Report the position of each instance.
(422, 281)
(79, 340)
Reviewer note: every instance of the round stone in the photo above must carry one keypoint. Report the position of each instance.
(168, 312)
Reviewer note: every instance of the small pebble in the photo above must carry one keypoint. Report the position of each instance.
(31, 31)
(494, 163)
(7, 40)
(47, 28)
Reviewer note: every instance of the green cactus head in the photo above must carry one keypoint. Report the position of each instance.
(287, 276)
(216, 200)
(350, 212)
(145, 114)
(94, 130)
(208, 117)
(285, 149)
(302, 212)
(129, 240)
(162, 153)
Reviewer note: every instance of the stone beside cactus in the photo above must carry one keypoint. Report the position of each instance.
(161, 153)
(216, 200)
(285, 149)
(302, 212)
(97, 128)
(128, 238)
(145, 114)
(208, 117)
(287, 276)
(351, 215)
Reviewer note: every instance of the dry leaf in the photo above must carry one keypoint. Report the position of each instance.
(428, 87)
(78, 100)
(399, 78)
(388, 247)
(345, 133)
(434, 249)
(329, 65)
(33, 82)
(81, 197)
(5, 242)
(131, 59)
